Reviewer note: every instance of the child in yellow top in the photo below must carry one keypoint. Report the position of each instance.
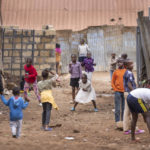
(47, 100)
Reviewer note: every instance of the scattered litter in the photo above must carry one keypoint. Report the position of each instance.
(69, 138)
(85, 140)
(113, 110)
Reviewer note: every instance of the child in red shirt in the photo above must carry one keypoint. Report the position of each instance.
(30, 79)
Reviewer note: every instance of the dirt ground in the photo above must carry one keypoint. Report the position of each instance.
(90, 130)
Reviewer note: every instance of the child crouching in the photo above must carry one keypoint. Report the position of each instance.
(15, 104)
(86, 93)
(47, 100)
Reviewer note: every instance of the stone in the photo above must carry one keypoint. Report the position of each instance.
(5, 53)
(26, 39)
(46, 40)
(16, 53)
(27, 53)
(39, 60)
(37, 39)
(6, 40)
(7, 46)
(40, 46)
(7, 60)
(50, 32)
(8, 32)
(17, 40)
(36, 53)
(29, 46)
(15, 66)
(18, 46)
(39, 32)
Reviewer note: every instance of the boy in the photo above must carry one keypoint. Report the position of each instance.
(30, 79)
(15, 104)
(88, 64)
(45, 88)
(139, 102)
(76, 74)
(117, 85)
(113, 64)
(129, 85)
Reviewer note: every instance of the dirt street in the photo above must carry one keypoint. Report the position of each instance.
(90, 130)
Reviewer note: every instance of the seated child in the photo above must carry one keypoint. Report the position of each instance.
(47, 100)
(85, 94)
(15, 104)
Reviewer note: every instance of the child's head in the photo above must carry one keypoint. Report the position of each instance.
(73, 58)
(129, 64)
(113, 55)
(84, 78)
(45, 74)
(29, 62)
(16, 91)
(120, 63)
(89, 55)
(124, 56)
(82, 41)
(57, 45)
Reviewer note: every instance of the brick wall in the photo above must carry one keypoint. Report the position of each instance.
(18, 44)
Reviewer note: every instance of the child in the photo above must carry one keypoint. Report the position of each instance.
(1, 83)
(139, 102)
(58, 57)
(129, 85)
(76, 73)
(30, 79)
(88, 63)
(45, 88)
(112, 64)
(85, 94)
(117, 85)
(15, 104)
(82, 50)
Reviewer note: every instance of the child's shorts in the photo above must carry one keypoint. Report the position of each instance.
(74, 82)
(136, 105)
(81, 59)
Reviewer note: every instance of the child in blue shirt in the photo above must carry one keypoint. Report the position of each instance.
(15, 104)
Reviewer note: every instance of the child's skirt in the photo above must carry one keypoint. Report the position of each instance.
(85, 97)
(46, 96)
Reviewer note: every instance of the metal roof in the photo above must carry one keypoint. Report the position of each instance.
(71, 14)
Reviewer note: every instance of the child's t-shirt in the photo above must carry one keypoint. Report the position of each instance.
(15, 107)
(117, 80)
(85, 86)
(31, 72)
(83, 49)
(88, 63)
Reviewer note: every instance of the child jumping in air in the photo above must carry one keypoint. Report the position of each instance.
(45, 89)
(88, 63)
(15, 104)
(76, 73)
(86, 93)
(30, 79)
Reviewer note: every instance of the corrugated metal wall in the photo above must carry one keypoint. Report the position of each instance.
(71, 14)
(102, 42)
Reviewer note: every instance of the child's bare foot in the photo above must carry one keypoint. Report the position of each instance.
(137, 140)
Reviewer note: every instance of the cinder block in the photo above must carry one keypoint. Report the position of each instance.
(16, 66)
(37, 39)
(7, 60)
(18, 46)
(50, 32)
(39, 32)
(16, 53)
(40, 46)
(6, 40)
(16, 73)
(27, 53)
(36, 53)
(7, 46)
(8, 32)
(5, 53)
(26, 39)
(44, 53)
(44, 66)
(49, 46)
(46, 40)
(17, 40)
(29, 46)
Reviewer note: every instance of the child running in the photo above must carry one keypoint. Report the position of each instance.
(88, 63)
(30, 79)
(45, 88)
(76, 73)
(15, 104)
(86, 93)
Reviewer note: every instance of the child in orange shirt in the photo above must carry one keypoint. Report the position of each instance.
(118, 87)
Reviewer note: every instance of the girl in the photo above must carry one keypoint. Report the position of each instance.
(85, 94)
(88, 63)
(30, 79)
(58, 57)
(45, 87)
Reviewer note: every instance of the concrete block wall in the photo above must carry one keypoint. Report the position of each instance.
(18, 44)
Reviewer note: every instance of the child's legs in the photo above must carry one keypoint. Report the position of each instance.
(75, 105)
(73, 93)
(117, 106)
(133, 125)
(146, 117)
(48, 113)
(19, 126)
(94, 104)
(122, 105)
(26, 89)
(126, 118)
(35, 88)
(44, 114)
(13, 126)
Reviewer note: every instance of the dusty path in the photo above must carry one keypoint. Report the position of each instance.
(89, 129)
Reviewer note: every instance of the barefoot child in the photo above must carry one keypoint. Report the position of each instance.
(30, 79)
(45, 88)
(76, 73)
(15, 104)
(139, 102)
(86, 93)
(88, 64)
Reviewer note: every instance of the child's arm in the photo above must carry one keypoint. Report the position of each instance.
(70, 68)
(6, 102)
(113, 81)
(80, 71)
(24, 104)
